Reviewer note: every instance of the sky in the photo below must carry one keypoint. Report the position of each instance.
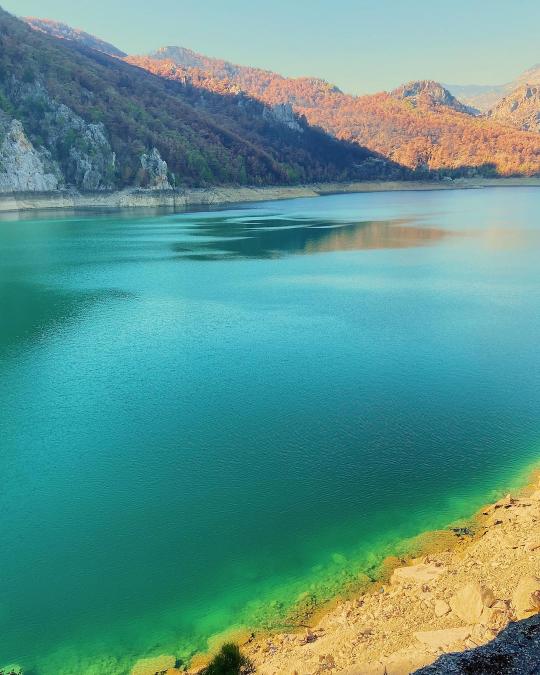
(362, 46)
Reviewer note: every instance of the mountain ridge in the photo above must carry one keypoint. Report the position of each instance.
(486, 97)
(420, 125)
(63, 31)
(436, 133)
(71, 115)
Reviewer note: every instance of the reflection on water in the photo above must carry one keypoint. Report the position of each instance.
(271, 237)
(201, 446)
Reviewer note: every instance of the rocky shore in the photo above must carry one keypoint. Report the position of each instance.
(181, 199)
(466, 590)
(457, 597)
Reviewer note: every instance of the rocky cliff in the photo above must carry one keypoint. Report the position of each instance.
(22, 167)
(520, 109)
(155, 171)
(69, 150)
(102, 123)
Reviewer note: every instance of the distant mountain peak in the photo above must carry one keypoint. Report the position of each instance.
(521, 108)
(187, 58)
(64, 32)
(428, 93)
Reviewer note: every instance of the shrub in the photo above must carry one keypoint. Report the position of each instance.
(229, 661)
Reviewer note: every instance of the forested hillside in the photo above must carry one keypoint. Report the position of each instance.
(420, 125)
(70, 115)
(424, 128)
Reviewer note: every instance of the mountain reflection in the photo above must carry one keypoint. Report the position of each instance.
(271, 237)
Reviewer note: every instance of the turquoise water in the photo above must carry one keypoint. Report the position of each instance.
(206, 415)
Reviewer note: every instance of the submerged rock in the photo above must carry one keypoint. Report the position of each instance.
(422, 573)
(153, 665)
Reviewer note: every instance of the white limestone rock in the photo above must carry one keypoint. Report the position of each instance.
(22, 167)
(156, 171)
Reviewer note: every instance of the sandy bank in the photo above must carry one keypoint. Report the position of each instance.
(184, 199)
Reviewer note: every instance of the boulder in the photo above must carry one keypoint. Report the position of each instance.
(407, 660)
(444, 638)
(442, 608)
(422, 573)
(469, 601)
(524, 598)
(153, 665)
(495, 618)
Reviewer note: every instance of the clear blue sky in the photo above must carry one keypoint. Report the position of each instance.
(360, 45)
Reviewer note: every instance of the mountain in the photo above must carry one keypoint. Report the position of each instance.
(479, 96)
(74, 116)
(420, 125)
(64, 32)
(520, 109)
(486, 97)
(430, 94)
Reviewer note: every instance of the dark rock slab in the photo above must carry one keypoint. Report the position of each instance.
(515, 651)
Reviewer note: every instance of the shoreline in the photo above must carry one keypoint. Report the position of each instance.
(460, 592)
(457, 589)
(182, 199)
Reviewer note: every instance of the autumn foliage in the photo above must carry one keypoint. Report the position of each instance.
(423, 137)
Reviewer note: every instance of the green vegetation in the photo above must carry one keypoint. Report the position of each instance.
(229, 661)
(205, 137)
(420, 125)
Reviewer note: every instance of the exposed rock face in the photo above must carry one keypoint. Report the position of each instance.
(22, 167)
(521, 108)
(431, 94)
(515, 651)
(80, 148)
(155, 171)
(90, 161)
(284, 114)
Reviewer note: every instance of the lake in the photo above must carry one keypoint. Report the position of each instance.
(207, 416)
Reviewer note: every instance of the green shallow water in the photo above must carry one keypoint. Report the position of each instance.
(205, 416)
